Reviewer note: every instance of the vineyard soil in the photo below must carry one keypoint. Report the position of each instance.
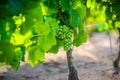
(92, 61)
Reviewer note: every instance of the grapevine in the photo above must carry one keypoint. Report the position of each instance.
(39, 27)
(42, 26)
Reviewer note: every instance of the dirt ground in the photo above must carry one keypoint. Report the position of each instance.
(92, 61)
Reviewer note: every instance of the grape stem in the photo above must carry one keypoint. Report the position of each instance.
(61, 17)
(72, 71)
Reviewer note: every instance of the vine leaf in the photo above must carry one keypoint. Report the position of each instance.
(7, 52)
(80, 38)
(42, 29)
(36, 13)
(74, 18)
(27, 25)
(33, 17)
(54, 49)
(64, 4)
(7, 27)
(35, 55)
(22, 51)
(47, 11)
(46, 42)
(15, 7)
(82, 12)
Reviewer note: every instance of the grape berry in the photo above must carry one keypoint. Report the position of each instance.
(65, 34)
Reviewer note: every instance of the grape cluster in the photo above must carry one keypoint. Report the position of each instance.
(65, 34)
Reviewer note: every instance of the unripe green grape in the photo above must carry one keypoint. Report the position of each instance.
(69, 35)
(65, 34)
(60, 30)
(65, 29)
(61, 37)
(67, 44)
(59, 33)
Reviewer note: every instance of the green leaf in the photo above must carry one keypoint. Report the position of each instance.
(53, 23)
(17, 58)
(7, 27)
(35, 55)
(7, 52)
(42, 28)
(36, 13)
(18, 39)
(46, 42)
(27, 25)
(80, 38)
(15, 6)
(33, 18)
(50, 3)
(47, 11)
(64, 4)
(27, 5)
(54, 48)
(4, 12)
(78, 13)
(82, 12)
(8, 8)
(22, 51)
(74, 18)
